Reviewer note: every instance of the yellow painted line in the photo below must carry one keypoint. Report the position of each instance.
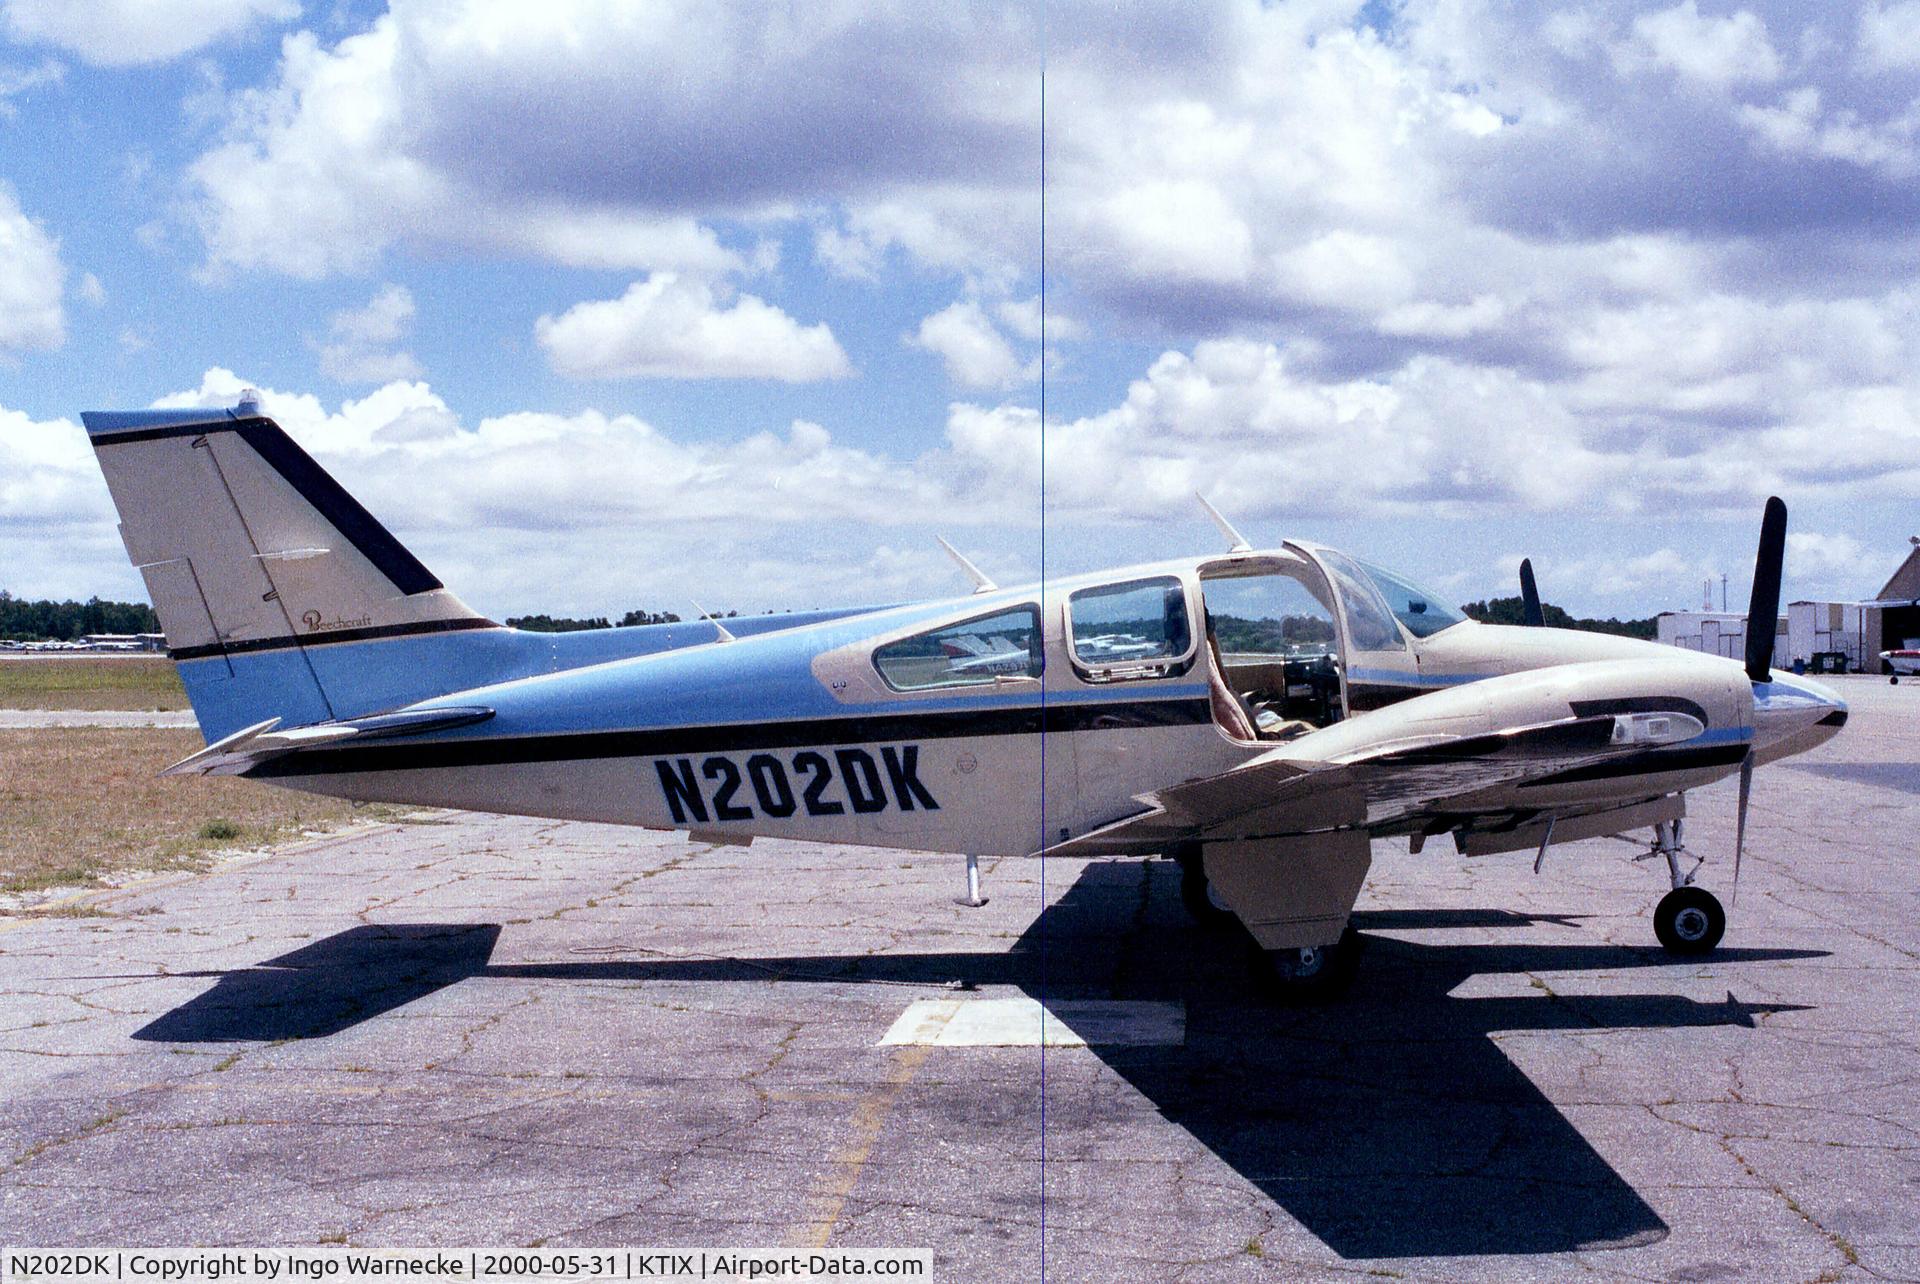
(869, 1117)
(48, 909)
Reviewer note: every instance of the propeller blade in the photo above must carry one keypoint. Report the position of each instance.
(1534, 615)
(1763, 612)
(1740, 825)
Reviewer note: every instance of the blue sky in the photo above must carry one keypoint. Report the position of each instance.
(603, 304)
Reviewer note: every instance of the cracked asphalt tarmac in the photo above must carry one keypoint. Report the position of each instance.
(481, 1031)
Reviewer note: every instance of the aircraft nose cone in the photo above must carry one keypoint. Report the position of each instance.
(1793, 714)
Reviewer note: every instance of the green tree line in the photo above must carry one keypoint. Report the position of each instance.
(567, 624)
(44, 620)
(1512, 610)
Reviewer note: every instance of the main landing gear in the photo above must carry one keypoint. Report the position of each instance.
(1313, 974)
(1197, 894)
(1688, 920)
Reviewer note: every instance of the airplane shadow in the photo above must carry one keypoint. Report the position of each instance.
(1389, 1125)
(1903, 776)
(330, 985)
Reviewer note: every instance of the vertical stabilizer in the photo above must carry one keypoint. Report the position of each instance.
(250, 549)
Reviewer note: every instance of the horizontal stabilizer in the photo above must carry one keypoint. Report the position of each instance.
(249, 747)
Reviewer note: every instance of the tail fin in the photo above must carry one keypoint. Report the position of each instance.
(257, 562)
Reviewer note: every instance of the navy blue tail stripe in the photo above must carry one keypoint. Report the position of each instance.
(375, 542)
(318, 487)
(577, 746)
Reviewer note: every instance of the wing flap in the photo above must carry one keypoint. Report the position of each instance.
(1275, 795)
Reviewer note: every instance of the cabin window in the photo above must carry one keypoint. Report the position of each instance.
(1267, 616)
(993, 648)
(1421, 612)
(1137, 629)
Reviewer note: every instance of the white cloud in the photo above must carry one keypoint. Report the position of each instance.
(674, 327)
(315, 177)
(521, 502)
(1831, 558)
(91, 290)
(1239, 421)
(1610, 576)
(1254, 427)
(44, 466)
(1178, 229)
(1022, 316)
(121, 33)
(31, 279)
(976, 354)
(57, 528)
(362, 342)
(523, 507)
(1714, 51)
(384, 320)
(588, 132)
(1472, 185)
(1799, 127)
(1889, 38)
(1530, 257)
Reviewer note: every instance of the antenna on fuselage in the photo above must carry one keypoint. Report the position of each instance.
(981, 584)
(1236, 542)
(714, 620)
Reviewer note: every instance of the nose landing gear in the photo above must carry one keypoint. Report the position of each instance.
(1689, 920)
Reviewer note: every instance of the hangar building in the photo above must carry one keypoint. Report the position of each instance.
(1859, 631)
(1716, 633)
(1862, 630)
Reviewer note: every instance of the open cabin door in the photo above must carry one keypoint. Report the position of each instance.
(1378, 665)
(1273, 646)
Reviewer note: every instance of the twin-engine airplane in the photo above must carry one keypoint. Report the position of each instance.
(1259, 715)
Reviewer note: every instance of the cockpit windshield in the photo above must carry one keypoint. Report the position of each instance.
(1421, 612)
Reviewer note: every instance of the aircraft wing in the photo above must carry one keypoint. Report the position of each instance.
(1275, 795)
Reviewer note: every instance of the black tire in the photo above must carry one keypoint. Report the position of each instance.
(1317, 975)
(1689, 921)
(1197, 894)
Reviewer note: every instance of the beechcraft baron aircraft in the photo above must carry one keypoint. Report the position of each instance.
(1260, 715)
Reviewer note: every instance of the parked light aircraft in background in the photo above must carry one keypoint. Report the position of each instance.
(1259, 715)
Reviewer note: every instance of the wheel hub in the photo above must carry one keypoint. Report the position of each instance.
(1690, 924)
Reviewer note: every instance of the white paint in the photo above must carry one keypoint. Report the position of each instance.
(1024, 1023)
